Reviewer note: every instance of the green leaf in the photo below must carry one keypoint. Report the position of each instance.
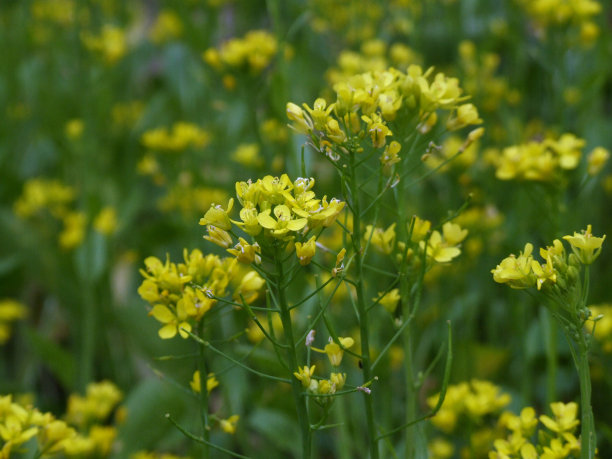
(91, 257)
(278, 428)
(61, 363)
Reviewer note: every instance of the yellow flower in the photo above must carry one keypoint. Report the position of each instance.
(586, 246)
(334, 351)
(453, 234)
(516, 272)
(246, 253)
(419, 229)
(229, 425)
(196, 384)
(339, 267)
(274, 189)
(467, 114)
(218, 236)
(384, 240)
(74, 230)
(525, 423)
(217, 216)
(111, 43)
(41, 193)
(283, 223)
(167, 26)
(53, 436)
(377, 129)
(440, 449)
(485, 398)
(249, 222)
(528, 451)
(304, 374)
(565, 417)
(301, 122)
(249, 287)
(306, 251)
(247, 155)
(545, 272)
(438, 250)
(102, 438)
(173, 321)
(337, 380)
(325, 386)
(596, 160)
(555, 450)
(74, 128)
(10, 310)
(325, 212)
(390, 300)
(106, 221)
(320, 114)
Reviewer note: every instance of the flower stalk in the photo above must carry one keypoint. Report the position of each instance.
(361, 302)
(298, 398)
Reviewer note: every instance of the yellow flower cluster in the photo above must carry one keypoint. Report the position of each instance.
(454, 152)
(253, 52)
(273, 131)
(10, 311)
(127, 114)
(336, 381)
(55, 197)
(110, 44)
(539, 161)
(365, 103)
(247, 155)
(273, 209)
(183, 135)
(549, 13)
(98, 403)
(375, 55)
(39, 194)
(329, 386)
(479, 78)
(442, 247)
(356, 24)
(190, 199)
(182, 293)
(560, 442)
(61, 12)
(475, 399)
(558, 269)
(167, 26)
(511, 437)
(227, 425)
(81, 434)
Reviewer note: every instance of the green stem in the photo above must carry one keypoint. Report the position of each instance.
(361, 305)
(344, 450)
(299, 400)
(551, 333)
(408, 310)
(588, 441)
(410, 391)
(203, 394)
(88, 336)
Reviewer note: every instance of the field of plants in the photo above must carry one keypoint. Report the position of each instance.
(305, 229)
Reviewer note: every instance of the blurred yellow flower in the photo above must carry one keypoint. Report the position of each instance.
(196, 384)
(106, 221)
(229, 425)
(74, 128)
